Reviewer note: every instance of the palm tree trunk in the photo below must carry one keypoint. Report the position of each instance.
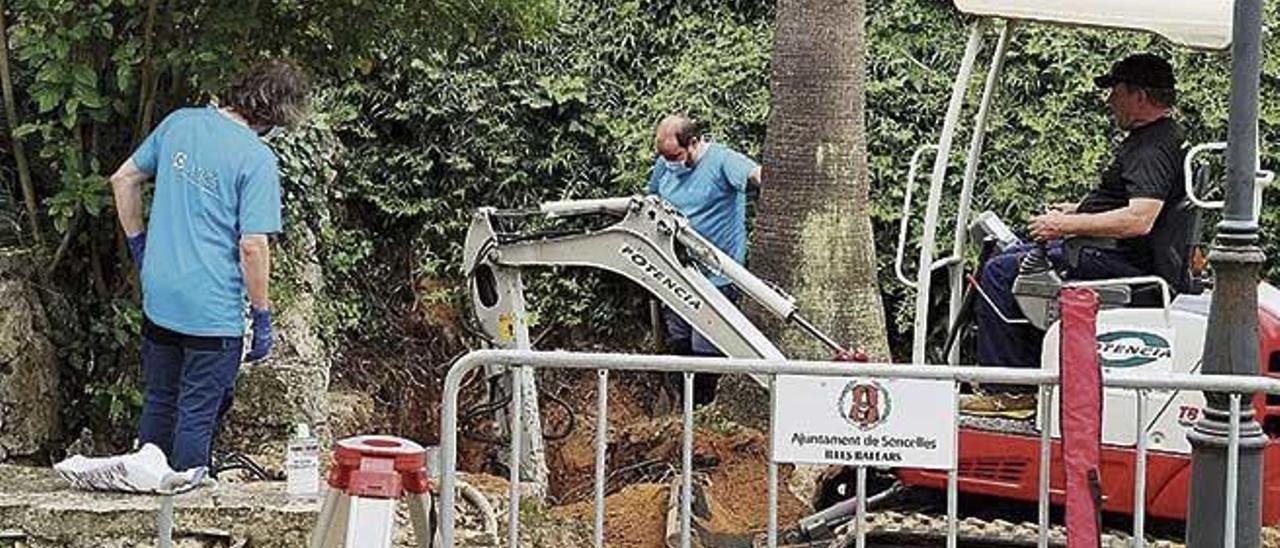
(11, 113)
(813, 228)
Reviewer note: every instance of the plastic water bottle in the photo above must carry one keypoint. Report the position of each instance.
(302, 464)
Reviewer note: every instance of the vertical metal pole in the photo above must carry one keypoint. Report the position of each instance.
(972, 161)
(1046, 456)
(861, 525)
(1233, 476)
(602, 440)
(773, 463)
(1231, 344)
(517, 408)
(953, 478)
(164, 522)
(1139, 483)
(449, 457)
(686, 468)
(1140, 473)
(927, 240)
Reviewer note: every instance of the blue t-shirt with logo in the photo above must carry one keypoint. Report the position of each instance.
(713, 196)
(215, 181)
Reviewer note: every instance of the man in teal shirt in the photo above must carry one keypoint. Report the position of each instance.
(708, 183)
(216, 201)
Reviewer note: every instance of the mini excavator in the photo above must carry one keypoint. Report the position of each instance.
(1147, 325)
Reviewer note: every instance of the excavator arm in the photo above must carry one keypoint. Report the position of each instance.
(651, 244)
(644, 246)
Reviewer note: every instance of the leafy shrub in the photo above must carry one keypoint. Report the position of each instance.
(423, 114)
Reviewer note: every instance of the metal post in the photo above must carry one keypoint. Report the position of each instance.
(517, 408)
(773, 464)
(164, 522)
(1140, 473)
(1233, 464)
(1231, 344)
(953, 480)
(602, 440)
(1042, 496)
(929, 238)
(449, 455)
(861, 541)
(686, 468)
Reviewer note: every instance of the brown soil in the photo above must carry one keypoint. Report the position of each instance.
(634, 436)
(1271, 537)
(644, 454)
(740, 484)
(634, 517)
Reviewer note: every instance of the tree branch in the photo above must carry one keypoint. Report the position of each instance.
(11, 113)
(63, 246)
(146, 99)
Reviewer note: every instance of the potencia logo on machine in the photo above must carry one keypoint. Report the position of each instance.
(663, 279)
(865, 404)
(1125, 349)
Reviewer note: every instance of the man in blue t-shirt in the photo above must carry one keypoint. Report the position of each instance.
(708, 183)
(216, 201)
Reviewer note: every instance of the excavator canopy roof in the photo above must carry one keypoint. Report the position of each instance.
(1201, 24)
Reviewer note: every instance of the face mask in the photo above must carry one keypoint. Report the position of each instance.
(271, 133)
(676, 167)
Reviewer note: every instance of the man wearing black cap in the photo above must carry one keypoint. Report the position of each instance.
(1144, 180)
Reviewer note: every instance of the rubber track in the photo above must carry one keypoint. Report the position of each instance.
(895, 528)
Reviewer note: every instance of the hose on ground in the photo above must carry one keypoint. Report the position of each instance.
(477, 499)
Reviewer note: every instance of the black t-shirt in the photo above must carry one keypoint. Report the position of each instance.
(1148, 164)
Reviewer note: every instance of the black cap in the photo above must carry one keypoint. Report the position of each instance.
(1144, 70)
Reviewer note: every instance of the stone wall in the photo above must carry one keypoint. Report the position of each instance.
(38, 510)
(30, 399)
(291, 386)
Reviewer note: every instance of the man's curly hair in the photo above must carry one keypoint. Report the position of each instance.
(271, 93)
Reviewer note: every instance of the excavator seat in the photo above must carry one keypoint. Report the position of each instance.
(1173, 240)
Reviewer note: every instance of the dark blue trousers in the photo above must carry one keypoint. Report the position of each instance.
(1018, 345)
(683, 340)
(189, 384)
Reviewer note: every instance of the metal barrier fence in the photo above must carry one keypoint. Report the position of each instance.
(603, 363)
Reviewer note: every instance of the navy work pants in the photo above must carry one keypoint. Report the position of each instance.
(189, 386)
(683, 340)
(1018, 345)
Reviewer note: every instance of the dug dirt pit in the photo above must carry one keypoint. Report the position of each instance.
(634, 517)
(730, 462)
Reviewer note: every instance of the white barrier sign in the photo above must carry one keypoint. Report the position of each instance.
(872, 422)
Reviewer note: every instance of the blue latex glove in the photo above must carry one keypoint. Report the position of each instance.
(137, 247)
(261, 343)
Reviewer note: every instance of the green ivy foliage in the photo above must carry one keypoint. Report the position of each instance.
(91, 77)
(426, 110)
(569, 114)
